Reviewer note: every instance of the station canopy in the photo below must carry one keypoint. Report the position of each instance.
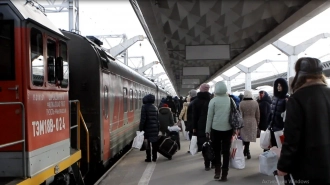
(196, 41)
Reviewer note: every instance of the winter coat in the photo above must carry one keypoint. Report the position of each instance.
(165, 118)
(306, 149)
(264, 107)
(249, 109)
(219, 110)
(278, 106)
(190, 114)
(183, 113)
(149, 119)
(171, 104)
(199, 112)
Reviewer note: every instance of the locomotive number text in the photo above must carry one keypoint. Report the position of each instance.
(47, 126)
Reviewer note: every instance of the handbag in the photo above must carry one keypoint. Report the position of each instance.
(235, 118)
(207, 151)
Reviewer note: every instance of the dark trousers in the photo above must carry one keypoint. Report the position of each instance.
(221, 144)
(272, 139)
(246, 147)
(153, 149)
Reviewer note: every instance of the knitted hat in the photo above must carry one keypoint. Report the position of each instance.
(247, 94)
(192, 93)
(164, 105)
(204, 87)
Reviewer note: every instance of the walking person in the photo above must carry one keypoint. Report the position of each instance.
(199, 113)
(150, 125)
(278, 106)
(219, 128)
(306, 149)
(165, 118)
(249, 109)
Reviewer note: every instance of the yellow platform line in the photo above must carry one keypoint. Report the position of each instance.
(44, 175)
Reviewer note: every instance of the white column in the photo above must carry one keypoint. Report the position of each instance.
(248, 81)
(229, 86)
(292, 59)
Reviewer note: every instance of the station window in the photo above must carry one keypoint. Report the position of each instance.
(140, 99)
(51, 54)
(131, 100)
(7, 65)
(64, 55)
(125, 99)
(106, 102)
(37, 58)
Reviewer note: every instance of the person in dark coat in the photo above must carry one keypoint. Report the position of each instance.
(165, 118)
(241, 96)
(171, 105)
(163, 101)
(177, 106)
(199, 112)
(306, 149)
(181, 100)
(150, 125)
(278, 106)
(192, 94)
(264, 107)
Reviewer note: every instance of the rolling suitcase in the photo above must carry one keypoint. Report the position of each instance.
(167, 147)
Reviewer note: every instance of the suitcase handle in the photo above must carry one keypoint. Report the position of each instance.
(276, 174)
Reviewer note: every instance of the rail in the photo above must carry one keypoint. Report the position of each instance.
(23, 135)
(78, 126)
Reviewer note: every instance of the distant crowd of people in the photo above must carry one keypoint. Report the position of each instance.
(299, 108)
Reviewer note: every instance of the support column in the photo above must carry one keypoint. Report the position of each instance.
(291, 64)
(248, 81)
(229, 86)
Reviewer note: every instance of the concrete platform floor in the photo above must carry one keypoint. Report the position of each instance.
(183, 169)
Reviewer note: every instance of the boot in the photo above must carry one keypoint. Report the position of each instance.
(207, 165)
(217, 172)
(248, 155)
(224, 175)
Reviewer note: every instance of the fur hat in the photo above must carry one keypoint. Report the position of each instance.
(247, 94)
(204, 87)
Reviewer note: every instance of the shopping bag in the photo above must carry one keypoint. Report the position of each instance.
(265, 139)
(237, 159)
(277, 135)
(207, 151)
(138, 140)
(187, 136)
(193, 148)
(268, 162)
(174, 128)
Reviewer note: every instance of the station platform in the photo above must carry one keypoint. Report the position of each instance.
(182, 169)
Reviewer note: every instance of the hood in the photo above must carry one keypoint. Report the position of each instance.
(186, 104)
(220, 88)
(165, 110)
(149, 98)
(266, 98)
(285, 88)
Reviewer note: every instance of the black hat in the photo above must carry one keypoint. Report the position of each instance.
(310, 66)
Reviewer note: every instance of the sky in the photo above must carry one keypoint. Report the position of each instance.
(115, 17)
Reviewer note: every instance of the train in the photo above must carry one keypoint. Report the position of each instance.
(67, 107)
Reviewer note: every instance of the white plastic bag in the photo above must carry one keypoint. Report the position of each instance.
(237, 159)
(265, 139)
(193, 145)
(138, 140)
(187, 136)
(277, 135)
(268, 162)
(174, 128)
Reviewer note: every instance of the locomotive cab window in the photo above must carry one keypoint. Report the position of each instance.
(125, 99)
(7, 65)
(51, 54)
(37, 58)
(65, 70)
